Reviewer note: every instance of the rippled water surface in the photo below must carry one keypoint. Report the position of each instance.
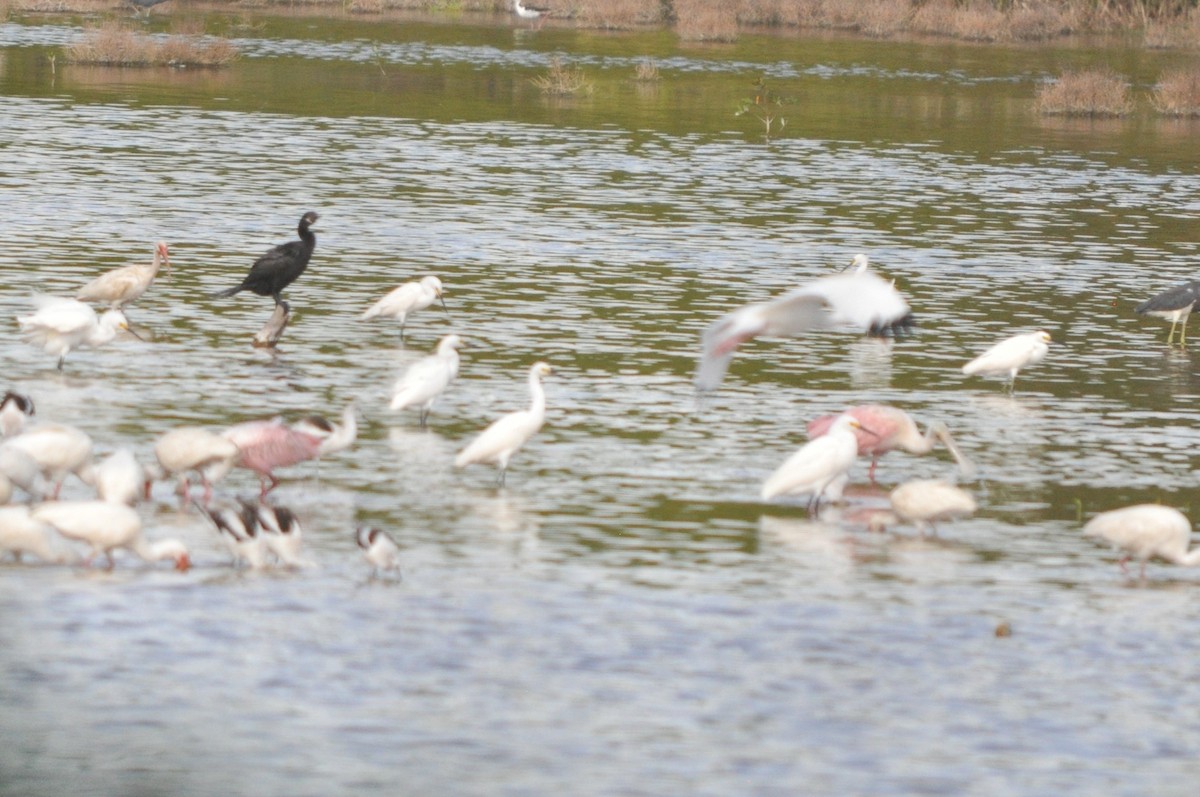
(624, 617)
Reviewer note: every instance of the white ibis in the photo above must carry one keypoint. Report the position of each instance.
(123, 286)
(107, 527)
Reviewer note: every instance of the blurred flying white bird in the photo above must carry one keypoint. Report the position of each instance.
(1010, 355)
(859, 299)
(122, 286)
(428, 378)
(107, 527)
(60, 325)
(408, 298)
(821, 468)
(1145, 531)
(924, 502)
(508, 433)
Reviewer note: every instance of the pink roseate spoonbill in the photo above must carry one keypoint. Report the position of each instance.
(821, 468)
(107, 527)
(240, 532)
(120, 478)
(123, 286)
(378, 548)
(1146, 531)
(267, 445)
(60, 325)
(279, 267)
(281, 530)
(58, 451)
(21, 534)
(924, 502)
(15, 411)
(859, 299)
(190, 449)
(505, 436)
(428, 378)
(892, 428)
(1174, 304)
(1010, 355)
(408, 298)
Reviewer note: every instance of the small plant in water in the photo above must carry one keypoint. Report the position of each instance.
(1096, 92)
(1178, 93)
(562, 80)
(113, 45)
(765, 105)
(647, 71)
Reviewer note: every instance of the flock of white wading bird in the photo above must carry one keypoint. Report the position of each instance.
(37, 457)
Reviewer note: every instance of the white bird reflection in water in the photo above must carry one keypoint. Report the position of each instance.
(870, 363)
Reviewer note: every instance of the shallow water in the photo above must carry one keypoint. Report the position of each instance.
(624, 616)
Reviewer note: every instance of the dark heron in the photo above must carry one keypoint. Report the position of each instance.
(280, 267)
(1174, 304)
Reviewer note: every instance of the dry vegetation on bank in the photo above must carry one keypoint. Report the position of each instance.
(1164, 23)
(1096, 92)
(1178, 93)
(115, 45)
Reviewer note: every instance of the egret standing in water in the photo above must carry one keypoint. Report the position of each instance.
(859, 299)
(281, 266)
(820, 468)
(508, 433)
(892, 428)
(428, 378)
(1145, 531)
(408, 298)
(1010, 355)
(1174, 304)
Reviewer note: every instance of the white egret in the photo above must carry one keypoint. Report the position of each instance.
(859, 299)
(107, 527)
(1174, 304)
(60, 325)
(122, 286)
(1010, 355)
(1145, 531)
(428, 378)
(408, 298)
(892, 428)
(378, 548)
(820, 468)
(15, 411)
(924, 502)
(508, 433)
